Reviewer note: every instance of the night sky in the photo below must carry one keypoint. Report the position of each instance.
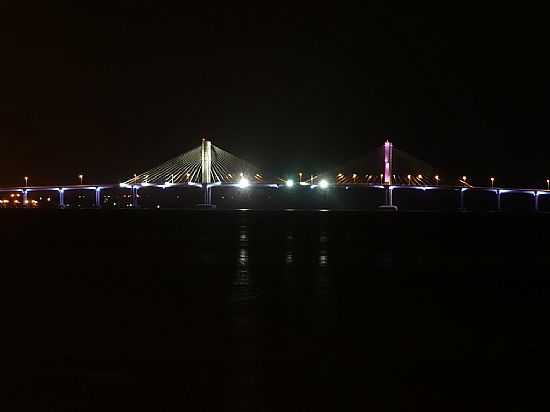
(109, 91)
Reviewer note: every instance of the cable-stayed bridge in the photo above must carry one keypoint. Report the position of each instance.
(207, 167)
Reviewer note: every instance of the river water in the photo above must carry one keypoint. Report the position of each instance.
(290, 310)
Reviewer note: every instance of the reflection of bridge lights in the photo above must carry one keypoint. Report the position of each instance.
(289, 183)
(323, 184)
(243, 183)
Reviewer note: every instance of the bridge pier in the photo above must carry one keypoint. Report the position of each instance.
(498, 200)
(388, 199)
(461, 200)
(61, 198)
(25, 198)
(536, 201)
(135, 203)
(207, 193)
(98, 197)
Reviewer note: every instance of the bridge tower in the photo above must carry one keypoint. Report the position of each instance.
(206, 161)
(206, 169)
(388, 163)
(388, 155)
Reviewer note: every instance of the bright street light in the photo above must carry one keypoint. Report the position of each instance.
(26, 180)
(81, 176)
(289, 183)
(492, 182)
(323, 184)
(243, 183)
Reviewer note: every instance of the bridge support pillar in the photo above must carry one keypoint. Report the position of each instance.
(498, 200)
(25, 198)
(388, 199)
(536, 201)
(461, 200)
(98, 197)
(207, 195)
(61, 198)
(135, 203)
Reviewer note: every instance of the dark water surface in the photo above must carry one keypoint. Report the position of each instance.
(290, 311)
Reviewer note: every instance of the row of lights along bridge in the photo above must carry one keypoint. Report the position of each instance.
(355, 179)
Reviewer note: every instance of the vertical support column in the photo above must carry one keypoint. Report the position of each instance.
(388, 155)
(498, 200)
(536, 193)
(461, 207)
(388, 191)
(135, 203)
(61, 198)
(98, 197)
(25, 198)
(207, 194)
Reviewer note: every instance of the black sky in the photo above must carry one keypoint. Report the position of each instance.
(109, 90)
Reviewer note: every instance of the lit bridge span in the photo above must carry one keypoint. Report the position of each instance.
(208, 167)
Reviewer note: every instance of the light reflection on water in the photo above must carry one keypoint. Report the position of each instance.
(248, 279)
(242, 290)
(289, 248)
(323, 273)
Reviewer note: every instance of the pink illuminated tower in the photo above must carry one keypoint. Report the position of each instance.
(388, 149)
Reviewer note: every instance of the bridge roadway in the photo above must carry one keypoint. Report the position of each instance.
(499, 191)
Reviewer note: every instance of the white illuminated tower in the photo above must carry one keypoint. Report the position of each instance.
(206, 161)
(206, 167)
